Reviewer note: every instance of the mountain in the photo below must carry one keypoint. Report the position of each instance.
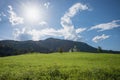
(54, 44)
(10, 47)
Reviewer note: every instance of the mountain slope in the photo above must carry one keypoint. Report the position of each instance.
(10, 47)
(66, 45)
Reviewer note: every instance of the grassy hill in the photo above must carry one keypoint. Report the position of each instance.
(61, 66)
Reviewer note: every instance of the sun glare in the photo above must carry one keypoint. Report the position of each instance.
(31, 13)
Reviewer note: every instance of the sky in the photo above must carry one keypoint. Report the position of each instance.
(95, 22)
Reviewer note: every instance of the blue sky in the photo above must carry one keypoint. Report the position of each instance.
(96, 22)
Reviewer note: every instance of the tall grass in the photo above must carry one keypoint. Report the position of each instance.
(56, 66)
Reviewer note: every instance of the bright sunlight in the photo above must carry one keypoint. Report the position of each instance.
(31, 13)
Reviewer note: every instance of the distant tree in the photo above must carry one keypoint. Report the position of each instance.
(99, 49)
(60, 50)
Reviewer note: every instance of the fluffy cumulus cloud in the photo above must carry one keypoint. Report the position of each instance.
(43, 29)
(66, 19)
(35, 34)
(47, 32)
(106, 26)
(21, 34)
(13, 18)
(99, 38)
(68, 27)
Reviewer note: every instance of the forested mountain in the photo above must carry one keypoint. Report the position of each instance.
(10, 47)
(54, 44)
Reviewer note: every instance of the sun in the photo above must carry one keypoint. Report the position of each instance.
(31, 13)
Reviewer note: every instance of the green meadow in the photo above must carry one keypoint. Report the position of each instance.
(61, 66)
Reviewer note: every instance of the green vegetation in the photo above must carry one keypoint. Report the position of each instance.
(99, 49)
(56, 66)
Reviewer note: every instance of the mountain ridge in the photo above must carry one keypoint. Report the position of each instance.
(11, 47)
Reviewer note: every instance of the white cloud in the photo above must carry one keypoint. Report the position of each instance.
(79, 30)
(35, 34)
(43, 30)
(70, 32)
(13, 18)
(47, 4)
(99, 38)
(43, 24)
(66, 19)
(40, 34)
(106, 26)
(39, 26)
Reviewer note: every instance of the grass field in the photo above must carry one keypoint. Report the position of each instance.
(61, 66)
